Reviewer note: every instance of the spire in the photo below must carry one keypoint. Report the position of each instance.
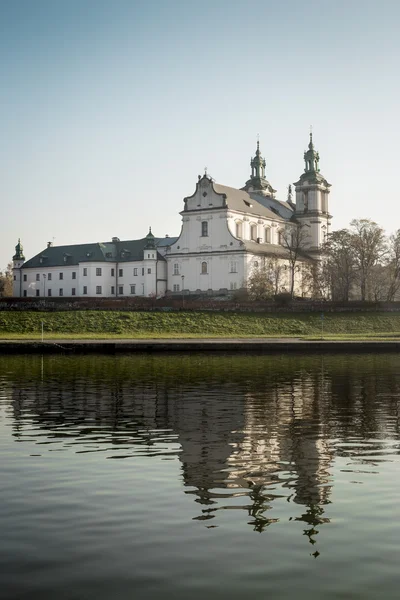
(311, 158)
(150, 240)
(19, 251)
(257, 182)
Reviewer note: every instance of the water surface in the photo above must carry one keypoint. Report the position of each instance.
(180, 477)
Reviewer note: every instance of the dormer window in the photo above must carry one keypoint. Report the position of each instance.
(248, 203)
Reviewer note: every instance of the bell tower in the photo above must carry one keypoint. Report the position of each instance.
(18, 261)
(312, 192)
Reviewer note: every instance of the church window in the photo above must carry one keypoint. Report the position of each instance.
(61, 292)
(37, 277)
(176, 287)
(49, 277)
(98, 272)
(233, 285)
(133, 289)
(112, 290)
(15, 278)
(120, 272)
(112, 272)
(239, 229)
(280, 238)
(98, 289)
(37, 293)
(25, 278)
(84, 290)
(204, 229)
(61, 276)
(121, 290)
(305, 201)
(253, 232)
(25, 294)
(135, 271)
(84, 271)
(142, 270)
(324, 202)
(176, 269)
(204, 269)
(267, 235)
(73, 274)
(233, 267)
(149, 271)
(73, 291)
(49, 292)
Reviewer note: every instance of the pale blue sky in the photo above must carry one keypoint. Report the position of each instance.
(110, 110)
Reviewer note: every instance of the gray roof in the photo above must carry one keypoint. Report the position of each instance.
(121, 251)
(242, 201)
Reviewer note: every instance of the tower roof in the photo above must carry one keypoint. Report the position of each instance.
(19, 251)
(311, 166)
(257, 182)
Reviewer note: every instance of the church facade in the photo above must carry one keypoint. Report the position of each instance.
(226, 234)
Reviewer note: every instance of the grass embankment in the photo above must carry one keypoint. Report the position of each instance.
(142, 325)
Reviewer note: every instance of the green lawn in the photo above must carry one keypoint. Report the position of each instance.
(202, 324)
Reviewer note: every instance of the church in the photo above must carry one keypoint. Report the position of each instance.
(226, 234)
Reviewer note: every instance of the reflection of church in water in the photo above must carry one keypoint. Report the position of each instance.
(241, 445)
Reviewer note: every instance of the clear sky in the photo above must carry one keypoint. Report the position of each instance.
(110, 109)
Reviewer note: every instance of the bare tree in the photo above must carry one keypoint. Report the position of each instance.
(295, 238)
(6, 281)
(369, 243)
(393, 266)
(339, 264)
(259, 284)
(275, 268)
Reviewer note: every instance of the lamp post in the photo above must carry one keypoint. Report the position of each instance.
(183, 287)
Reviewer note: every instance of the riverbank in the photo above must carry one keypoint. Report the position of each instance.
(253, 345)
(100, 325)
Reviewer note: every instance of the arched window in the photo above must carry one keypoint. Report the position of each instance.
(204, 269)
(253, 232)
(280, 238)
(267, 235)
(204, 228)
(239, 229)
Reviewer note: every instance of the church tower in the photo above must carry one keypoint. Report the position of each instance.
(312, 191)
(257, 182)
(18, 261)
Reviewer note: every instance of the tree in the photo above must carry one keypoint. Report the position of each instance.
(296, 239)
(369, 244)
(339, 264)
(275, 268)
(6, 281)
(259, 284)
(393, 266)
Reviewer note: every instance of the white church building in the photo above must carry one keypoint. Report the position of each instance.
(226, 233)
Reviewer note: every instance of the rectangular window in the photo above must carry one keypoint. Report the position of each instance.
(120, 290)
(84, 290)
(15, 278)
(98, 272)
(133, 289)
(233, 285)
(233, 267)
(112, 272)
(176, 269)
(112, 290)
(135, 272)
(61, 293)
(176, 287)
(204, 229)
(73, 274)
(148, 271)
(25, 278)
(85, 272)
(143, 271)
(37, 276)
(73, 292)
(120, 272)
(49, 292)
(37, 293)
(25, 293)
(98, 289)
(61, 276)
(49, 277)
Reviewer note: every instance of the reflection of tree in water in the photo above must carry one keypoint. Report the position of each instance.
(249, 437)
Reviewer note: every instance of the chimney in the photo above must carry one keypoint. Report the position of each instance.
(166, 235)
(49, 244)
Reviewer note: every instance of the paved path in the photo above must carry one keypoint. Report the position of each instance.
(245, 345)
